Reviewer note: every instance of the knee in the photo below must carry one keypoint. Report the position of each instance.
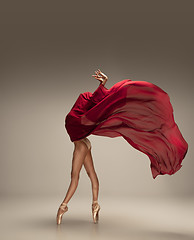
(89, 145)
(83, 144)
(80, 146)
(74, 176)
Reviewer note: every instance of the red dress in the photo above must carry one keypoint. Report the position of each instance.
(138, 111)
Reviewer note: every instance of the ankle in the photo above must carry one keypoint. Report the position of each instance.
(95, 201)
(64, 203)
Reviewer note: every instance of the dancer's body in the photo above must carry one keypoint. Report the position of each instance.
(82, 155)
(140, 112)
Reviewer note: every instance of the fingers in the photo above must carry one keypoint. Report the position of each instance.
(97, 72)
(99, 75)
(96, 76)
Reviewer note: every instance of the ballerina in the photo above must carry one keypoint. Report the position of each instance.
(82, 156)
(140, 112)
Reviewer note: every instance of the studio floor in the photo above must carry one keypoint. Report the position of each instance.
(128, 218)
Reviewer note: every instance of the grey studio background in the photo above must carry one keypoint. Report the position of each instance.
(49, 50)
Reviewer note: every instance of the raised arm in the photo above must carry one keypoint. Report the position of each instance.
(87, 100)
(100, 76)
(99, 94)
(101, 91)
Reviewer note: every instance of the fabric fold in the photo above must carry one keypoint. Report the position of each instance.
(138, 111)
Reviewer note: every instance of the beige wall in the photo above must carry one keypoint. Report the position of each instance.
(48, 56)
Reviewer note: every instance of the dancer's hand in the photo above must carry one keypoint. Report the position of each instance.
(100, 76)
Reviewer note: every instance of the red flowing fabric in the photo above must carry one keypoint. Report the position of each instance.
(138, 111)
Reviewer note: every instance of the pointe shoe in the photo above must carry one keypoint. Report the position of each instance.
(62, 209)
(95, 211)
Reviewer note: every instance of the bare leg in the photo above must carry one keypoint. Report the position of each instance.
(89, 167)
(79, 155)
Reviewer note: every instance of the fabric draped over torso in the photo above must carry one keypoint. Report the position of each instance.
(138, 111)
